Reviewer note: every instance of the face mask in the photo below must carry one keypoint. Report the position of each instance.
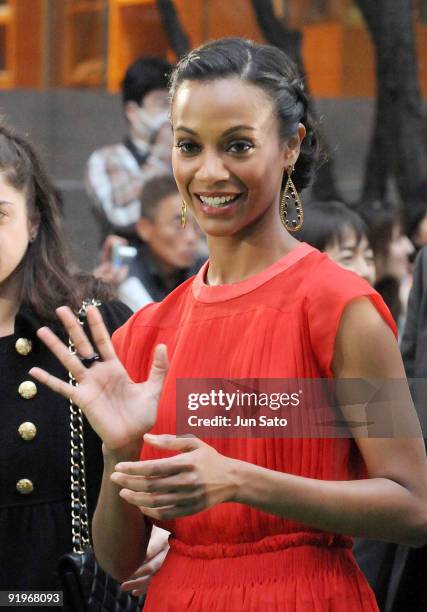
(148, 125)
(162, 152)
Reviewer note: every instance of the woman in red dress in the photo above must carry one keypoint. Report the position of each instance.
(257, 524)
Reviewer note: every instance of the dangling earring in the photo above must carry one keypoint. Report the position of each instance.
(288, 193)
(183, 213)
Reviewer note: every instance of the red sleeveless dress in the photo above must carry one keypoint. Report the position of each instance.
(281, 323)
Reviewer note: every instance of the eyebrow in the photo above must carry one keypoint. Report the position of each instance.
(235, 128)
(6, 202)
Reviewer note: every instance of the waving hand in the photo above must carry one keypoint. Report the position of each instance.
(119, 410)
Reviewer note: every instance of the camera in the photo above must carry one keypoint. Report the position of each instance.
(122, 255)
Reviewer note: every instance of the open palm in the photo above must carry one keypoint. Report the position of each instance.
(119, 410)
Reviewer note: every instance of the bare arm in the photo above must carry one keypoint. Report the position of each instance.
(121, 412)
(120, 531)
(392, 503)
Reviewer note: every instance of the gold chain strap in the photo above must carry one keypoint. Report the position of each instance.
(79, 512)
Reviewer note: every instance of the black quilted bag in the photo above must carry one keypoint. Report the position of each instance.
(86, 586)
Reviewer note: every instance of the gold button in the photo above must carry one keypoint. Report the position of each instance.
(24, 486)
(27, 430)
(23, 346)
(27, 389)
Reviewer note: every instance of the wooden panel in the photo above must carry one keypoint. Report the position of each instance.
(304, 12)
(235, 18)
(83, 62)
(422, 57)
(135, 30)
(28, 44)
(338, 53)
(322, 49)
(358, 63)
(193, 18)
(8, 40)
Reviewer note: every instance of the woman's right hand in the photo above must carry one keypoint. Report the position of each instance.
(119, 410)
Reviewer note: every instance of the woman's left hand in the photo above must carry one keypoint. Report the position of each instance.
(157, 550)
(181, 485)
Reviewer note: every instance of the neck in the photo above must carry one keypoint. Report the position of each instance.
(9, 304)
(236, 258)
(141, 144)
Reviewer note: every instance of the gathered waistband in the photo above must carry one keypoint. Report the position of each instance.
(272, 543)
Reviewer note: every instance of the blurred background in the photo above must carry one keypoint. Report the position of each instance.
(62, 62)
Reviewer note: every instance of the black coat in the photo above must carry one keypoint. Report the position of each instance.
(408, 585)
(35, 522)
(398, 573)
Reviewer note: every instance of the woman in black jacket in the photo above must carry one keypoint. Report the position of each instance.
(36, 276)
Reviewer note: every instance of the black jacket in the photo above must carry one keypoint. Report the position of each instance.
(35, 522)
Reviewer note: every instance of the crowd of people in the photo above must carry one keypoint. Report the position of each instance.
(210, 267)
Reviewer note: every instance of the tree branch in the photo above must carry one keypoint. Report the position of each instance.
(277, 33)
(176, 34)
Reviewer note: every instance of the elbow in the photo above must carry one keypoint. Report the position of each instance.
(118, 569)
(416, 536)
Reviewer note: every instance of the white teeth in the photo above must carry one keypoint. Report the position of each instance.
(217, 201)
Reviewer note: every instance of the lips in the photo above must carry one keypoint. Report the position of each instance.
(217, 203)
(218, 200)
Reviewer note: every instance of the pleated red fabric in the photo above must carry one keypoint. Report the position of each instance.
(281, 323)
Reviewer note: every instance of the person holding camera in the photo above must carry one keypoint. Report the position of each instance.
(164, 257)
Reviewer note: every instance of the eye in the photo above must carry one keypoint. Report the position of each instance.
(240, 146)
(346, 258)
(187, 147)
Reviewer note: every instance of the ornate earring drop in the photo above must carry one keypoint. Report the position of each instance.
(183, 213)
(290, 193)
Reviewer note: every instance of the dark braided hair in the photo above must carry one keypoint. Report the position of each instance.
(270, 69)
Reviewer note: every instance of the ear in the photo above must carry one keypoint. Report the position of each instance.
(293, 145)
(33, 227)
(131, 110)
(144, 229)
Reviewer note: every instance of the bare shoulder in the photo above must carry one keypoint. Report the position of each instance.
(365, 345)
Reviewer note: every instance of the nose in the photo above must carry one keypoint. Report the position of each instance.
(211, 168)
(409, 247)
(365, 270)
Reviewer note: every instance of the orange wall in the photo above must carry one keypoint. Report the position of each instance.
(339, 58)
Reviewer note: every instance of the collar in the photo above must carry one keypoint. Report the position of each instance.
(138, 149)
(147, 257)
(27, 323)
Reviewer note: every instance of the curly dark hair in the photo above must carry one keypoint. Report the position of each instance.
(270, 69)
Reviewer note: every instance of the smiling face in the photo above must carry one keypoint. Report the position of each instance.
(15, 231)
(353, 254)
(228, 159)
